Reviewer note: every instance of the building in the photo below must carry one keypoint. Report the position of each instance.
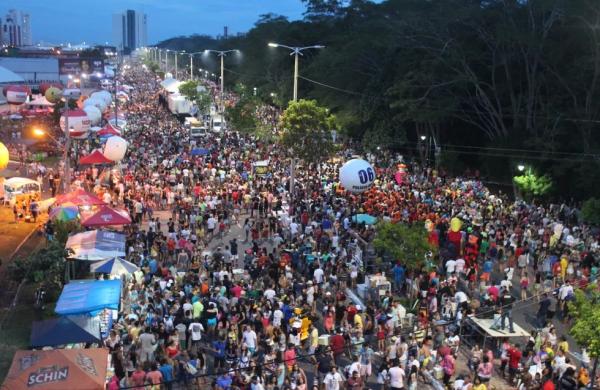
(33, 70)
(129, 30)
(15, 29)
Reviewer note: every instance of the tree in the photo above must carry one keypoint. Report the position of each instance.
(242, 116)
(307, 130)
(189, 89)
(590, 211)
(46, 265)
(531, 185)
(406, 243)
(585, 310)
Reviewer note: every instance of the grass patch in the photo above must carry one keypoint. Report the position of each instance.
(17, 326)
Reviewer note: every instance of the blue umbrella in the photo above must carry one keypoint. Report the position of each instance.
(364, 218)
(115, 266)
(199, 152)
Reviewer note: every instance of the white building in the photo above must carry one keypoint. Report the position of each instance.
(15, 29)
(129, 30)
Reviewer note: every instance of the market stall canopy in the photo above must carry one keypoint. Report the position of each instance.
(108, 130)
(114, 266)
(79, 197)
(107, 216)
(96, 157)
(64, 212)
(96, 245)
(73, 369)
(65, 330)
(89, 297)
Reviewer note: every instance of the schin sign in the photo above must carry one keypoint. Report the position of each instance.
(47, 375)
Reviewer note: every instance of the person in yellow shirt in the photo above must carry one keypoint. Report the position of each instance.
(564, 263)
(478, 385)
(563, 345)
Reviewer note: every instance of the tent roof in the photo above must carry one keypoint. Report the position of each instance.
(96, 245)
(19, 181)
(40, 101)
(58, 369)
(65, 330)
(79, 197)
(96, 157)
(8, 76)
(109, 129)
(89, 296)
(107, 216)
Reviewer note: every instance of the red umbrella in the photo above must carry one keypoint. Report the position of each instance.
(96, 157)
(107, 216)
(79, 197)
(108, 130)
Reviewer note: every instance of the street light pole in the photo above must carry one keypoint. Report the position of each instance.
(191, 66)
(176, 73)
(222, 54)
(296, 51)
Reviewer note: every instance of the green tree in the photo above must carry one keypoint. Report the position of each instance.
(46, 266)
(585, 310)
(307, 130)
(189, 89)
(590, 211)
(531, 185)
(242, 116)
(406, 243)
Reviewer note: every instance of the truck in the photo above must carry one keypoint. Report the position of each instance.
(217, 123)
(178, 104)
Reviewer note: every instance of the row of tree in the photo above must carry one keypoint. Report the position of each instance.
(490, 84)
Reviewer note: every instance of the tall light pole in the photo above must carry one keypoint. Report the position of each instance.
(296, 51)
(176, 72)
(192, 63)
(167, 61)
(222, 54)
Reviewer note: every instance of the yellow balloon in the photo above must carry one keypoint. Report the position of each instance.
(455, 224)
(4, 156)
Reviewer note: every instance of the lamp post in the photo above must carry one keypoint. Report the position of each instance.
(222, 54)
(176, 72)
(192, 63)
(166, 60)
(295, 51)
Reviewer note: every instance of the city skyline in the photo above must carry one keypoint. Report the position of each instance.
(93, 23)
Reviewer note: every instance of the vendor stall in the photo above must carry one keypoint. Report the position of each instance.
(65, 330)
(74, 369)
(96, 245)
(96, 298)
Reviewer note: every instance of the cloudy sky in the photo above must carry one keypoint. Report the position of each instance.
(58, 21)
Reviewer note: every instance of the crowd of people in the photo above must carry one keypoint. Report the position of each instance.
(241, 289)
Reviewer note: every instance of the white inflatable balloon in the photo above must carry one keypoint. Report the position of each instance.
(357, 175)
(79, 123)
(93, 113)
(115, 148)
(104, 96)
(98, 103)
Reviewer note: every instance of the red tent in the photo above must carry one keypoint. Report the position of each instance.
(96, 157)
(107, 216)
(79, 197)
(108, 130)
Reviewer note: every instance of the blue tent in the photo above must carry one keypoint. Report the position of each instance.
(199, 152)
(65, 330)
(89, 297)
(364, 218)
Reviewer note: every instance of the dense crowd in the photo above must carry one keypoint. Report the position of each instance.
(240, 289)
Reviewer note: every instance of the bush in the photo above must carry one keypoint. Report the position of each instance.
(590, 211)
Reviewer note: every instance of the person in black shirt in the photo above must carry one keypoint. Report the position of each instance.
(507, 305)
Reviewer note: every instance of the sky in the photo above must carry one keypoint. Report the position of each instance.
(61, 21)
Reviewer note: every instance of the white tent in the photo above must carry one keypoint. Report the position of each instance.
(7, 76)
(40, 101)
(171, 85)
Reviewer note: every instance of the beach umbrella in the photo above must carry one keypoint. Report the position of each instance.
(114, 266)
(64, 213)
(364, 218)
(79, 197)
(96, 157)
